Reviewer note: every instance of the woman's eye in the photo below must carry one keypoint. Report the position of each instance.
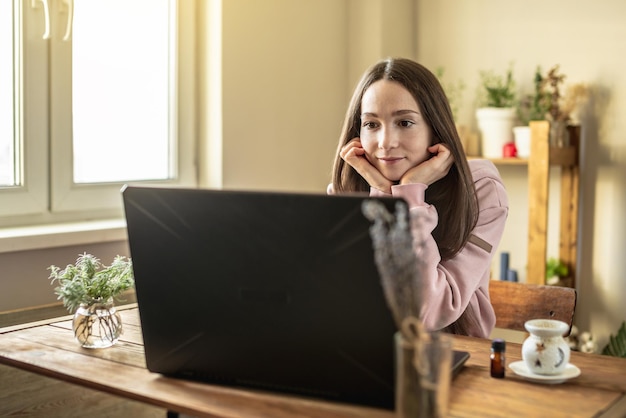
(370, 125)
(406, 123)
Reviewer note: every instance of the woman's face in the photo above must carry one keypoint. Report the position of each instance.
(394, 134)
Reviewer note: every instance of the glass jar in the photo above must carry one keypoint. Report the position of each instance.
(559, 135)
(423, 376)
(97, 325)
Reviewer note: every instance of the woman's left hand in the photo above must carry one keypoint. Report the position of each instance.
(431, 170)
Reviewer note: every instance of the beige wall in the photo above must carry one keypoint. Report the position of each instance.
(583, 37)
(284, 82)
(289, 66)
(288, 69)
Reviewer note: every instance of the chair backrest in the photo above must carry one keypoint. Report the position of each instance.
(516, 303)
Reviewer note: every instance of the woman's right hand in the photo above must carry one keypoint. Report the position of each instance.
(354, 155)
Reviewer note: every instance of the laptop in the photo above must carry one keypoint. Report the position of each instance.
(268, 290)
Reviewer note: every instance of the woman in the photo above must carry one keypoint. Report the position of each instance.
(399, 139)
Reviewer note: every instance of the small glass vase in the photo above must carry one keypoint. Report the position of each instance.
(559, 135)
(97, 325)
(423, 376)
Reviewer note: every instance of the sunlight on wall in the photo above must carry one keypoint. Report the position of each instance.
(210, 106)
(608, 284)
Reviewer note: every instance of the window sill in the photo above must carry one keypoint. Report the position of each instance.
(61, 235)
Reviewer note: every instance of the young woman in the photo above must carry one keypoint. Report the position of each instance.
(399, 139)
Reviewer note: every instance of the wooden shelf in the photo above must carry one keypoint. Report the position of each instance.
(542, 158)
(501, 161)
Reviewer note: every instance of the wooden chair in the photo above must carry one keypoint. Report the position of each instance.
(515, 303)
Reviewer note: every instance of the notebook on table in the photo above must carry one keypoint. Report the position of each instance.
(270, 290)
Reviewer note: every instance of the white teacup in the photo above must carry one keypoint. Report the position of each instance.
(545, 351)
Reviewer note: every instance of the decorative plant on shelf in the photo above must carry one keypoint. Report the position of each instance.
(562, 106)
(497, 91)
(550, 103)
(89, 288)
(555, 271)
(496, 114)
(535, 106)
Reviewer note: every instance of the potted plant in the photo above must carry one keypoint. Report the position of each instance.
(556, 271)
(533, 106)
(562, 106)
(89, 288)
(496, 114)
(549, 103)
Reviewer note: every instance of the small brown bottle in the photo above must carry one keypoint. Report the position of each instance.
(498, 358)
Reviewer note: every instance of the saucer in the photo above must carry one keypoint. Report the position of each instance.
(520, 369)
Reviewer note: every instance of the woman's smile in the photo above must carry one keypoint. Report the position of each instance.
(390, 160)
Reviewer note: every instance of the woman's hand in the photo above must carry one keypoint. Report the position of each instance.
(354, 155)
(431, 170)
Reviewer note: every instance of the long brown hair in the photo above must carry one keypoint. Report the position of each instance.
(454, 196)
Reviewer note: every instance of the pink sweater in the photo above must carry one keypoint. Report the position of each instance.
(450, 286)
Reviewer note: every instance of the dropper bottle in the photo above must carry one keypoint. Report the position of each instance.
(498, 358)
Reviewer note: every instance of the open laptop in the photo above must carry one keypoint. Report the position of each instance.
(270, 290)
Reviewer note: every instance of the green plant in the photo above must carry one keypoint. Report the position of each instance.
(88, 280)
(617, 344)
(535, 106)
(497, 91)
(550, 103)
(454, 91)
(555, 268)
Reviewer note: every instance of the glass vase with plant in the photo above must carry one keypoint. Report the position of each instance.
(89, 289)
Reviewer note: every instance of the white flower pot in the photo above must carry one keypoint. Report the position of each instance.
(522, 141)
(496, 128)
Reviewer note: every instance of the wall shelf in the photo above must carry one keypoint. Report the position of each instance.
(502, 161)
(543, 156)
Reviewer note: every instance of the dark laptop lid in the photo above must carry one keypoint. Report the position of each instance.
(271, 290)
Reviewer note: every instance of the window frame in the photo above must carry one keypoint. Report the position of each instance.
(48, 194)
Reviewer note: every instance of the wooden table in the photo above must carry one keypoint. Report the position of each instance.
(48, 348)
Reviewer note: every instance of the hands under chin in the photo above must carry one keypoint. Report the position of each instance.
(354, 155)
(431, 170)
(427, 172)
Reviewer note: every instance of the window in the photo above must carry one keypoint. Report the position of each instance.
(7, 150)
(95, 104)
